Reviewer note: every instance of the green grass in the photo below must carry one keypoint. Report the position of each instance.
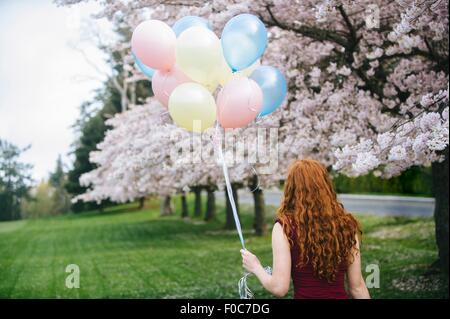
(126, 253)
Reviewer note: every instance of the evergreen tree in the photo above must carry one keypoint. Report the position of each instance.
(91, 129)
(15, 179)
(60, 197)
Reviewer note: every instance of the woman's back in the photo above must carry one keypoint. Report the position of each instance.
(309, 286)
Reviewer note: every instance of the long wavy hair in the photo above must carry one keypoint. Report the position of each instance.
(314, 219)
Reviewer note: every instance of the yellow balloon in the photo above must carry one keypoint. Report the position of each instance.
(224, 73)
(192, 107)
(211, 87)
(199, 55)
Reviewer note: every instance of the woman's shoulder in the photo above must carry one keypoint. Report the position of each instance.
(282, 221)
(285, 224)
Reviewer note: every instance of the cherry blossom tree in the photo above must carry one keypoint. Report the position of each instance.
(145, 153)
(368, 83)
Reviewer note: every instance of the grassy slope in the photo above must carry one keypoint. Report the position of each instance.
(127, 253)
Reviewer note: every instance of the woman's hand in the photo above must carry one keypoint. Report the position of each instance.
(249, 261)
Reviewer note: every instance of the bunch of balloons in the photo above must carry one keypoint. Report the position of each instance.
(188, 63)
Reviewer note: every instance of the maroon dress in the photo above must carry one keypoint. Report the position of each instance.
(308, 286)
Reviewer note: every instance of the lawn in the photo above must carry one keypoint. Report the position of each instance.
(126, 253)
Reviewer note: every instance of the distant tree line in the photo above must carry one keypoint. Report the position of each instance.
(19, 198)
(49, 197)
(416, 181)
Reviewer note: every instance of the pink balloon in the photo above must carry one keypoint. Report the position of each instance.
(154, 44)
(164, 82)
(239, 102)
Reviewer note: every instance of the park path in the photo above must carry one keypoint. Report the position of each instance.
(364, 204)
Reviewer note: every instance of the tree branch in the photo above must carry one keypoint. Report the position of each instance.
(348, 23)
(398, 123)
(308, 31)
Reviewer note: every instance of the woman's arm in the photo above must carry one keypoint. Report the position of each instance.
(356, 284)
(278, 282)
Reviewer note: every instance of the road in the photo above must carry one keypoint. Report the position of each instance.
(362, 204)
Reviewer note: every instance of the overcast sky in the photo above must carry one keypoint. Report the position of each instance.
(43, 79)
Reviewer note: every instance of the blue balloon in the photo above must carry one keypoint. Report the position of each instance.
(244, 39)
(273, 85)
(189, 21)
(144, 69)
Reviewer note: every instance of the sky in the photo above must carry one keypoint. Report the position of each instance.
(44, 77)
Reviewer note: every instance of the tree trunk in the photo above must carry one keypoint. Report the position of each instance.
(166, 206)
(123, 96)
(184, 206)
(229, 223)
(259, 222)
(210, 203)
(133, 93)
(440, 190)
(198, 201)
(141, 203)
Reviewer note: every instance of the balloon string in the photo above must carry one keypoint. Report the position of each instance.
(164, 85)
(244, 291)
(259, 118)
(257, 178)
(249, 105)
(228, 187)
(223, 97)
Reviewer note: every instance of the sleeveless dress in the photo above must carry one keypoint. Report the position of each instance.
(308, 286)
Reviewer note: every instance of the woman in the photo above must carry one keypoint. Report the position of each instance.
(314, 240)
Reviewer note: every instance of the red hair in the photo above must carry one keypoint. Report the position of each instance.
(314, 219)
